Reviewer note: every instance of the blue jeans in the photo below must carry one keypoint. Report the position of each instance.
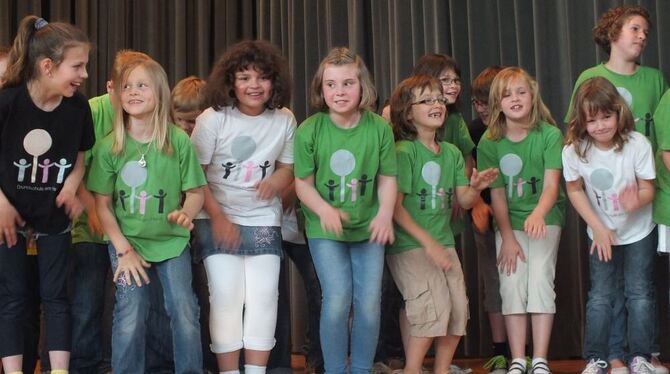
(636, 262)
(350, 273)
(132, 309)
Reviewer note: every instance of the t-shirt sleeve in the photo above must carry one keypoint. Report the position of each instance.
(88, 132)
(570, 164)
(204, 136)
(286, 155)
(486, 158)
(192, 175)
(553, 144)
(405, 163)
(459, 170)
(465, 143)
(387, 157)
(644, 159)
(102, 174)
(304, 151)
(662, 119)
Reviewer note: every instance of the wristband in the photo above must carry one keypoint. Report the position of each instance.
(121, 254)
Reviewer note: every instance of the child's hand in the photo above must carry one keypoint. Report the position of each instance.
(131, 267)
(439, 256)
(181, 218)
(381, 229)
(603, 239)
(534, 226)
(73, 207)
(331, 220)
(630, 199)
(9, 221)
(483, 179)
(265, 189)
(481, 212)
(226, 233)
(509, 251)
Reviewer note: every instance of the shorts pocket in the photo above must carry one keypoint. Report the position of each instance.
(419, 305)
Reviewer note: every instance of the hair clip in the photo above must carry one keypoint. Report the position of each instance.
(41, 22)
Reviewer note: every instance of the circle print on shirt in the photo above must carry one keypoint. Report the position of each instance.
(243, 147)
(510, 166)
(431, 174)
(133, 175)
(603, 180)
(36, 143)
(627, 96)
(342, 163)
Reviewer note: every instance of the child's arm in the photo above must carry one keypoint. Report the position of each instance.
(433, 249)
(468, 195)
(131, 265)
(666, 159)
(9, 220)
(275, 184)
(331, 218)
(603, 237)
(510, 248)
(224, 231)
(637, 195)
(67, 196)
(534, 225)
(457, 209)
(88, 200)
(381, 226)
(192, 205)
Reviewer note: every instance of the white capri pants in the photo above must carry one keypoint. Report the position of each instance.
(242, 284)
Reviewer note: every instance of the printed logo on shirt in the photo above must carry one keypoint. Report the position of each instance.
(241, 168)
(342, 164)
(135, 202)
(608, 201)
(648, 118)
(36, 143)
(511, 166)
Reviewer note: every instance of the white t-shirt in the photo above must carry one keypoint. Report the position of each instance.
(239, 151)
(605, 175)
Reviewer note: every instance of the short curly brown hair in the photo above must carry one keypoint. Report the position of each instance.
(609, 26)
(257, 54)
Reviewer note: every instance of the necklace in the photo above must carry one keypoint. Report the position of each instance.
(142, 161)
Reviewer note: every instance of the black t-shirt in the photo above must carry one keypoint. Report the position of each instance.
(38, 150)
(477, 129)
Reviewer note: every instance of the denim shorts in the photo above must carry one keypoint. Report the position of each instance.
(254, 240)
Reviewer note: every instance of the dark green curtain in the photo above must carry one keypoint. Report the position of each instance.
(549, 38)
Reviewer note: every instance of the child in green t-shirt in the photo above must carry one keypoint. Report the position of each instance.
(139, 173)
(345, 170)
(423, 255)
(528, 207)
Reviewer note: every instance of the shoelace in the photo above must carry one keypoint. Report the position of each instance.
(496, 362)
(642, 366)
(593, 366)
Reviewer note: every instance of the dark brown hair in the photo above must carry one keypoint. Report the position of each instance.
(434, 64)
(609, 26)
(259, 55)
(481, 85)
(401, 102)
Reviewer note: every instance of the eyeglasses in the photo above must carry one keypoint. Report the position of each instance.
(431, 101)
(446, 81)
(479, 103)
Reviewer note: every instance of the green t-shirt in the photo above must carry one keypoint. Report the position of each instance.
(455, 131)
(642, 91)
(345, 164)
(143, 197)
(103, 118)
(522, 165)
(662, 198)
(429, 182)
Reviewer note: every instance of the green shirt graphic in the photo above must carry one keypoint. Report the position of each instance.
(144, 196)
(522, 165)
(429, 182)
(662, 198)
(345, 164)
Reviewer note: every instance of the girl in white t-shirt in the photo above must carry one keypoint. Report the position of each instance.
(609, 171)
(244, 141)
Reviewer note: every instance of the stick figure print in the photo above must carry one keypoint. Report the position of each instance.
(430, 172)
(602, 180)
(161, 200)
(45, 166)
(342, 163)
(37, 142)
(133, 175)
(22, 165)
(510, 166)
(61, 165)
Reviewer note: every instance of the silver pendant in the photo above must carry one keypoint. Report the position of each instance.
(142, 162)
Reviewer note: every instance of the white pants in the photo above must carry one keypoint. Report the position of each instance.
(240, 284)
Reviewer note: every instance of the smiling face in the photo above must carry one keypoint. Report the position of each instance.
(427, 110)
(65, 78)
(451, 85)
(138, 94)
(516, 102)
(252, 90)
(632, 38)
(602, 126)
(342, 89)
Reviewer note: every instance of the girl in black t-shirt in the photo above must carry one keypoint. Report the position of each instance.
(45, 127)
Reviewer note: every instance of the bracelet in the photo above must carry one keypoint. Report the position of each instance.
(121, 254)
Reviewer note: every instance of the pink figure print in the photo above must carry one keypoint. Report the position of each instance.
(615, 201)
(249, 169)
(61, 165)
(143, 197)
(442, 195)
(354, 188)
(519, 187)
(22, 165)
(45, 165)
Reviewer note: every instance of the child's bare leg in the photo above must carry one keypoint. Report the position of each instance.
(445, 346)
(415, 352)
(404, 329)
(228, 361)
(12, 363)
(497, 322)
(59, 360)
(516, 325)
(258, 358)
(541, 326)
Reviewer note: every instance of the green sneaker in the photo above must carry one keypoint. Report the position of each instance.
(496, 365)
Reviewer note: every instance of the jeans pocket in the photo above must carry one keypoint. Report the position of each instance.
(419, 305)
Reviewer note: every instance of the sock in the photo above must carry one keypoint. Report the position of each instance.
(15, 372)
(521, 361)
(501, 349)
(230, 372)
(253, 369)
(539, 359)
(59, 371)
(543, 369)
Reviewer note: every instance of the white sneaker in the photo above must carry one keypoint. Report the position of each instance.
(595, 367)
(640, 365)
(659, 368)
